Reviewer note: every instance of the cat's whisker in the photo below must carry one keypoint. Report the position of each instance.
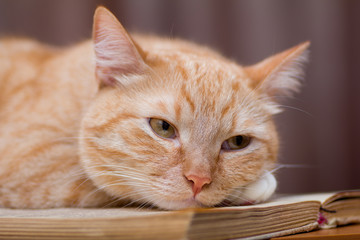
(126, 198)
(242, 189)
(125, 176)
(145, 202)
(129, 171)
(121, 167)
(123, 183)
(73, 175)
(242, 197)
(87, 179)
(134, 192)
(130, 175)
(142, 201)
(155, 203)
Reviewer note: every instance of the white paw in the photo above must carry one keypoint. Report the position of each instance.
(256, 192)
(262, 189)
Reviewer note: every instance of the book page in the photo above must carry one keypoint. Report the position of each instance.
(277, 201)
(78, 213)
(321, 197)
(127, 212)
(324, 198)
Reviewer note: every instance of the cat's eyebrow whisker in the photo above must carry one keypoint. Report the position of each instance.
(247, 97)
(264, 98)
(277, 97)
(280, 166)
(295, 108)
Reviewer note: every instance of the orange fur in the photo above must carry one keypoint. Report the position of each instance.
(75, 132)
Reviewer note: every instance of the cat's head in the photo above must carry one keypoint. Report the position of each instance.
(177, 125)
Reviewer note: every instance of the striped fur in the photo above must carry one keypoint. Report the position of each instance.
(74, 127)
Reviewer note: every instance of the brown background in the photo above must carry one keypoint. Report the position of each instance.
(320, 128)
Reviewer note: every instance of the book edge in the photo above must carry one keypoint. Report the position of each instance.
(306, 228)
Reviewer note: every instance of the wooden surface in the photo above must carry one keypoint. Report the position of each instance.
(350, 232)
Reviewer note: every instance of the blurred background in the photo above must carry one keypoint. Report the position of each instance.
(320, 127)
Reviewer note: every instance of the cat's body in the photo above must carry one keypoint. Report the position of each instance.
(41, 107)
(70, 137)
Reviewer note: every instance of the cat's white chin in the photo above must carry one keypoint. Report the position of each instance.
(180, 204)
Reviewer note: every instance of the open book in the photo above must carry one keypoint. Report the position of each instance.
(279, 217)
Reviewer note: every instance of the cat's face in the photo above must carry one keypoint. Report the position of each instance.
(176, 125)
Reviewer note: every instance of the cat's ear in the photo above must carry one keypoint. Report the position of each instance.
(279, 75)
(116, 54)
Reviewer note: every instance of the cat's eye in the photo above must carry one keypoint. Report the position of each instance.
(162, 128)
(236, 143)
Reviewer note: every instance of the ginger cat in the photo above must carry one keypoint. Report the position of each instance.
(153, 121)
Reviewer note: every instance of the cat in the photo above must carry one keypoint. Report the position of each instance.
(138, 119)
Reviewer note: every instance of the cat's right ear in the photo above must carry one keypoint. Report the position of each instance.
(116, 53)
(278, 76)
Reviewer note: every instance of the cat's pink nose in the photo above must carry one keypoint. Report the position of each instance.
(198, 183)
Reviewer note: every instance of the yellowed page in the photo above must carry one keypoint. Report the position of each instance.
(78, 213)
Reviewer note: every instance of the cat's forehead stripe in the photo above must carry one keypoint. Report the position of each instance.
(187, 97)
(162, 107)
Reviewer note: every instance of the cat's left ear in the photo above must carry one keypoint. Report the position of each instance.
(117, 55)
(279, 75)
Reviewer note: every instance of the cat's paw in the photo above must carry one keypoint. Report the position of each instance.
(260, 190)
(256, 192)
